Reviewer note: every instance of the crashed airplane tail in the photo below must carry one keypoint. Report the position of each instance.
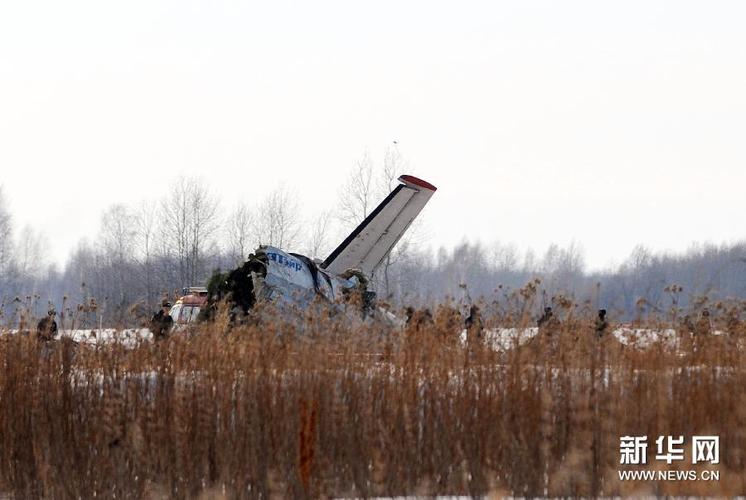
(367, 246)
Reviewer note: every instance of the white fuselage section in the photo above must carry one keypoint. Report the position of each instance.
(290, 279)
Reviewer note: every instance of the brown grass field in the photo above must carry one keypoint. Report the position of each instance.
(320, 407)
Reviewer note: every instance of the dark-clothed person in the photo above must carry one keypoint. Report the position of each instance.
(703, 326)
(548, 323)
(602, 324)
(46, 328)
(474, 326)
(162, 321)
(687, 324)
(544, 319)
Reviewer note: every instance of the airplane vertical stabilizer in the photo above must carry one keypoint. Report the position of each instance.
(367, 246)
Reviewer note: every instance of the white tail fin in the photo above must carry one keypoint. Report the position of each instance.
(370, 242)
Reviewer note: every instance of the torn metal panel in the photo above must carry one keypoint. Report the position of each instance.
(296, 279)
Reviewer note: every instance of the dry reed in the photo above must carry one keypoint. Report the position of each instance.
(323, 406)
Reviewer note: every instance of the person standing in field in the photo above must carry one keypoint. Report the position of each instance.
(548, 323)
(46, 328)
(687, 325)
(409, 314)
(702, 328)
(704, 324)
(732, 325)
(423, 320)
(602, 324)
(733, 322)
(474, 326)
(162, 321)
(448, 321)
(419, 325)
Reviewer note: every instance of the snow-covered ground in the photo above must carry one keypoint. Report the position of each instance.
(503, 339)
(500, 339)
(129, 337)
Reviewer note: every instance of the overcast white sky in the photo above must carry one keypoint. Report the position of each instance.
(610, 124)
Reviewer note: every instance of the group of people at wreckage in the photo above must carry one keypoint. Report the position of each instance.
(416, 320)
(549, 324)
(160, 324)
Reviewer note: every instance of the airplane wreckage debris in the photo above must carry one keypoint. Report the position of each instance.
(286, 279)
(290, 279)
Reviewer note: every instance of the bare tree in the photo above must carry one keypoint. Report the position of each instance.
(563, 268)
(358, 194)
(190, 219)
(240, 236)
(117, 239)
(393, 166)
(29, 254)
(203, 225)
(146, 232)
(277, 222)
(318, 238)
(118, 233)
(174, 228)
(504, 257)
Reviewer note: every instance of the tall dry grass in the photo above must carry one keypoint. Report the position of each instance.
(323, 406)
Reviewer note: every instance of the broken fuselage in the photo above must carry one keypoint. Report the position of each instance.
(289, 279)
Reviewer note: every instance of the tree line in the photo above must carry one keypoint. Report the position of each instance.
(153, 249)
